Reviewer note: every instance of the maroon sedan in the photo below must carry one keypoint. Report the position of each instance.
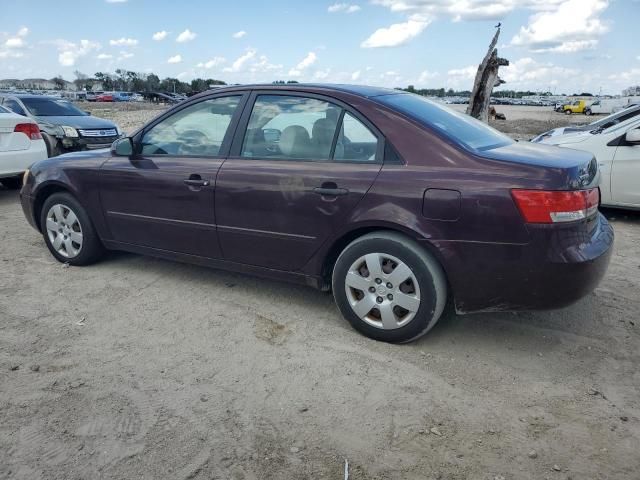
(396, 203)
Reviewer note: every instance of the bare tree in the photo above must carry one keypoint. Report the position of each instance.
(486, 79)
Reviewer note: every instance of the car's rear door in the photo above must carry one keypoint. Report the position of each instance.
(287, 183)
(163, 197)
(625, 174)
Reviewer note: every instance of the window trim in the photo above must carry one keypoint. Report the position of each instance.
(226, 141)
(241, 129)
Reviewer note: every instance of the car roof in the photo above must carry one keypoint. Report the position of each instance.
(359, 90)
(28, 95)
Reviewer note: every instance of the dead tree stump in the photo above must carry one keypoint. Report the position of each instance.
(486, 79)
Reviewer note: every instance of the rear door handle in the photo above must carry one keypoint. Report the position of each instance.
(196, 181)
(330, 192)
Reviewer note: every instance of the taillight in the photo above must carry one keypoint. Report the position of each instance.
(31, 130)
(554, 206)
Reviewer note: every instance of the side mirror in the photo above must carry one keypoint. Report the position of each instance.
(633, 136)
(123, 147)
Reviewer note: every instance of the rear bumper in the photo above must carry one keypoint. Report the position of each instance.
(16, 162)
(558, 267)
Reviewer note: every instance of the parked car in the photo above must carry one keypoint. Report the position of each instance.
(395, 203)
(64, 127)
(603, 123)
(93, 96)
(617, 150)
(20, 145)
(578, 106)
(104, 97)
(121, 96)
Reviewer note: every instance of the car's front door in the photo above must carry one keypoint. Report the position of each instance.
(625, 174)
(299, 165)
(163, 197)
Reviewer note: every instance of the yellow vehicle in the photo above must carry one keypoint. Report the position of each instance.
(579, 106)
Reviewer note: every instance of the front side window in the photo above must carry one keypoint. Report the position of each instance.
(355, 141)
(197, 130)
(290, 127)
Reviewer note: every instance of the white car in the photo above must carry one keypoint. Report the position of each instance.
(21, 144)
(628, 112)
(617, 150)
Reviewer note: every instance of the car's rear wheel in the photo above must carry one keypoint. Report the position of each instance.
(388, 287)
(567, 112)
(12, 183)
(68, 231)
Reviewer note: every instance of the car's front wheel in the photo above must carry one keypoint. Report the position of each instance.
(68, 231)
(388, 287)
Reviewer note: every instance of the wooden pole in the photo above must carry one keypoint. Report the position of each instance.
(486, 79)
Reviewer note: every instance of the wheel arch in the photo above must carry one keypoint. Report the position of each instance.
(44, 192)
(340, 243)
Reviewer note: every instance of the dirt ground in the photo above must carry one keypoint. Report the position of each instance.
(142, 368)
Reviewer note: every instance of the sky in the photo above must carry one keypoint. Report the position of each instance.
(562, 46)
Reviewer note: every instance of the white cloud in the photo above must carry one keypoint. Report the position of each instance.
(116, 1)
(573, 26)
(343, 7)
(240, 62)
(239, 34)
(161, 35)
(104, 56)
(396, 34)
(459, 10)
(14, 42)
(355, 75)
(123, 42)
(175, 59)
(263, 65)
(124, 55)
(70, 52)
(529, 73)
(214, 62)
(186, 36)
(23, 32)
(425, 76)
(322, 74)
(306, 62)
(629, 77)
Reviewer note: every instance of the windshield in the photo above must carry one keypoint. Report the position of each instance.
(51, 107)
(460, 127)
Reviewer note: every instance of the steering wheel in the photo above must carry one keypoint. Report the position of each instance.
(193, 142)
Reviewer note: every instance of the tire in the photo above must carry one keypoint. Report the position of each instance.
(587, 112)
(424, 281)
(567, 112)
(12, 183)
(53, 147)
(84, 249)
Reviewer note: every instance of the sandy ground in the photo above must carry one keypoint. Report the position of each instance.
(142, 368)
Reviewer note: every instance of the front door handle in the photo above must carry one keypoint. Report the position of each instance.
(330, 189)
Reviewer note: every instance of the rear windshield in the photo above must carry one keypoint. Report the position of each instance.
(616, 118)
(4, 110)
(461, 128)
(50, 107)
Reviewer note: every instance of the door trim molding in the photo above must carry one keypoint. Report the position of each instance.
(166, 221)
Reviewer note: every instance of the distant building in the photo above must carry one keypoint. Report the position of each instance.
(631, 91)
(34, 84)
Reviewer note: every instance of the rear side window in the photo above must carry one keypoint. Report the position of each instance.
(355, 141)
(461, 128)
(290, 127)
(14, 107)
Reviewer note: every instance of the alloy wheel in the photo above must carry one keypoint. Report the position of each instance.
(64, 231)
(383, 291)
